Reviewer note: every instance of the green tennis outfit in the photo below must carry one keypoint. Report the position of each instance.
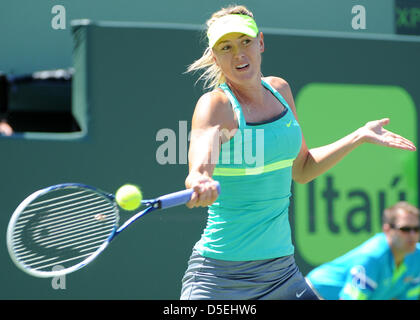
(248, 226)
(249, 220)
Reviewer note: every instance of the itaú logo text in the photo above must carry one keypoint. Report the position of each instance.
(362, 208)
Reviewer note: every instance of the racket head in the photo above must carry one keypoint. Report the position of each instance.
(66, 225)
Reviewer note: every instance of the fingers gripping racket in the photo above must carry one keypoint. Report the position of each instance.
(69, 225)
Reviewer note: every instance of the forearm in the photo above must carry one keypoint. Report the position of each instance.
(203, 154)
(317, 161)
(199, 166)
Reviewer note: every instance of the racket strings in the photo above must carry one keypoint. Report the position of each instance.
(63, 227)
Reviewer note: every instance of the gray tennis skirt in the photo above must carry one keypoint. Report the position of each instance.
(271, 279)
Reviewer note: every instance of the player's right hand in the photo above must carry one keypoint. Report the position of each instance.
(205, 190)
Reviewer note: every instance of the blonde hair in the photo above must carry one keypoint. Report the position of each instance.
(212, 75)
(390, 214)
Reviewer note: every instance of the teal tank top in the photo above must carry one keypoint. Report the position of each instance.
(249, 220)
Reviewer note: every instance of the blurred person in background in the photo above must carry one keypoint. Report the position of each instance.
(5, 128)
(387, 266)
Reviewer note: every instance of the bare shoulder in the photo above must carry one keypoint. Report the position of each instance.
(283, 87)
(213, 109)
(280, 84)
(214, 99)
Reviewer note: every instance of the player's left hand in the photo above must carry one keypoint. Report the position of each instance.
(373, 132)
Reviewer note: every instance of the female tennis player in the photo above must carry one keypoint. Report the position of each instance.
(248, 123)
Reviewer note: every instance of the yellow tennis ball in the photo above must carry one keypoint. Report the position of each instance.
(129, 197)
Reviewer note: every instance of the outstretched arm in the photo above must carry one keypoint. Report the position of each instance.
(309, 164)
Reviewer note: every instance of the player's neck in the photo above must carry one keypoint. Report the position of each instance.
(251, 93)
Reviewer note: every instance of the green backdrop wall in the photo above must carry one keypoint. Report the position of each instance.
(29, 42)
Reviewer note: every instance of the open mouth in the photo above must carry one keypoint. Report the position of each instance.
(242, 66)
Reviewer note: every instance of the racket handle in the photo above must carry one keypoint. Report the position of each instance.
(179, 198)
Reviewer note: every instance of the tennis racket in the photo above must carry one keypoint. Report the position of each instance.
(69, 225)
